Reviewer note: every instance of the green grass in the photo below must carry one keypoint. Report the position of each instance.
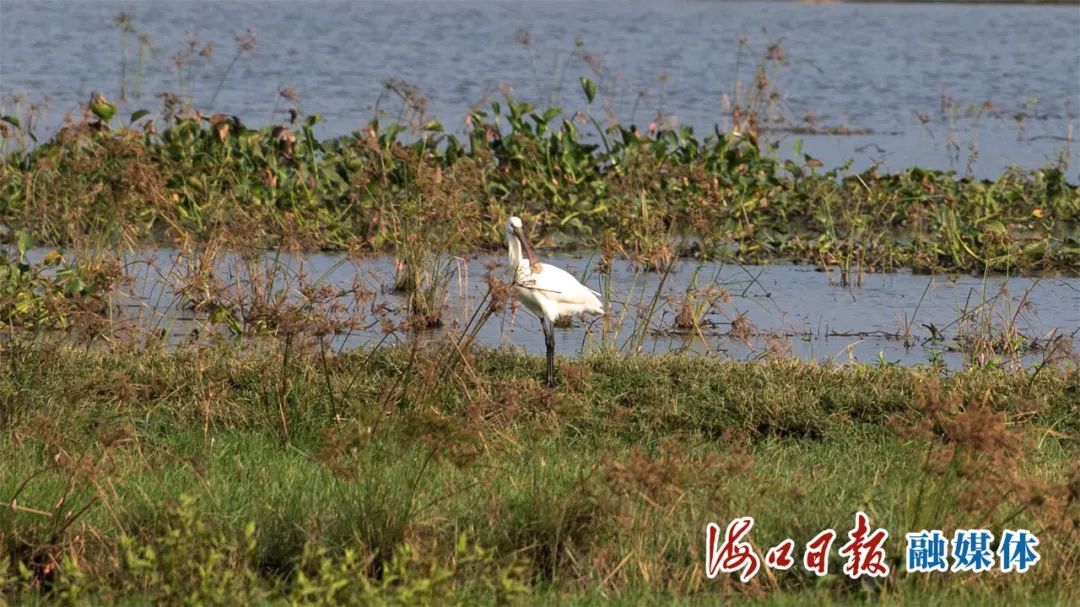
(404, 477)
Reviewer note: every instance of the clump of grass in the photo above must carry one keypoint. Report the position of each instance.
(425, 280)
(978, 471)
(758, 104)
(696, 303)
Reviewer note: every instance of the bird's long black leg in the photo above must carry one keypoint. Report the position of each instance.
(549, 341)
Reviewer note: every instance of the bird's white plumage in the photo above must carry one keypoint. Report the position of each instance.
(547, 291)
(553, 292)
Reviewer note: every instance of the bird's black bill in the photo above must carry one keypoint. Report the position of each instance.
(526, 246)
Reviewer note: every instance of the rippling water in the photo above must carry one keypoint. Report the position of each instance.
(876, 67)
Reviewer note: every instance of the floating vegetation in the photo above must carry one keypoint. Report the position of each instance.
(657, 195)
(54, 294)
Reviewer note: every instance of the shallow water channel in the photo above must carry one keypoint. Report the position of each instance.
(746, 312)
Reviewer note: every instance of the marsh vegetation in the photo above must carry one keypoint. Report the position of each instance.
(394, 476)
(224, 422)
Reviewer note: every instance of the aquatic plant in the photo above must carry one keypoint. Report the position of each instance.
(54, 293)
(651, 193)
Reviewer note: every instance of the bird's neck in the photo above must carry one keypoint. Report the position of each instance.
(514, 247)
(521, 246)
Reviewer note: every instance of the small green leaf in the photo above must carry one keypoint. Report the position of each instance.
(138, 116)
(219, 315)
(25, 243)
(13, 121)
(103, 110)
(74, 287)
(551, 113)
(589, 87)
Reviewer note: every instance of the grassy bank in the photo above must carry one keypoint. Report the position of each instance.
(398, 475)
(651, 196)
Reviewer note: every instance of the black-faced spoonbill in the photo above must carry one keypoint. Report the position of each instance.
(547, 291)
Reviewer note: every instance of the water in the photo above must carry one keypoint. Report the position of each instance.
(791, 310)
(875, 67)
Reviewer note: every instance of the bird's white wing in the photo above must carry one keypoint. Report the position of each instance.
(561, 287)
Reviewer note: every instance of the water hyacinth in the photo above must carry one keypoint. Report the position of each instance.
(654, 194)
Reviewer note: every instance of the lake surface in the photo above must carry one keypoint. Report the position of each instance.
(752, 312)
(935, 85)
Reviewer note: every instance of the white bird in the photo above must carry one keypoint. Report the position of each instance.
(547, 291)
